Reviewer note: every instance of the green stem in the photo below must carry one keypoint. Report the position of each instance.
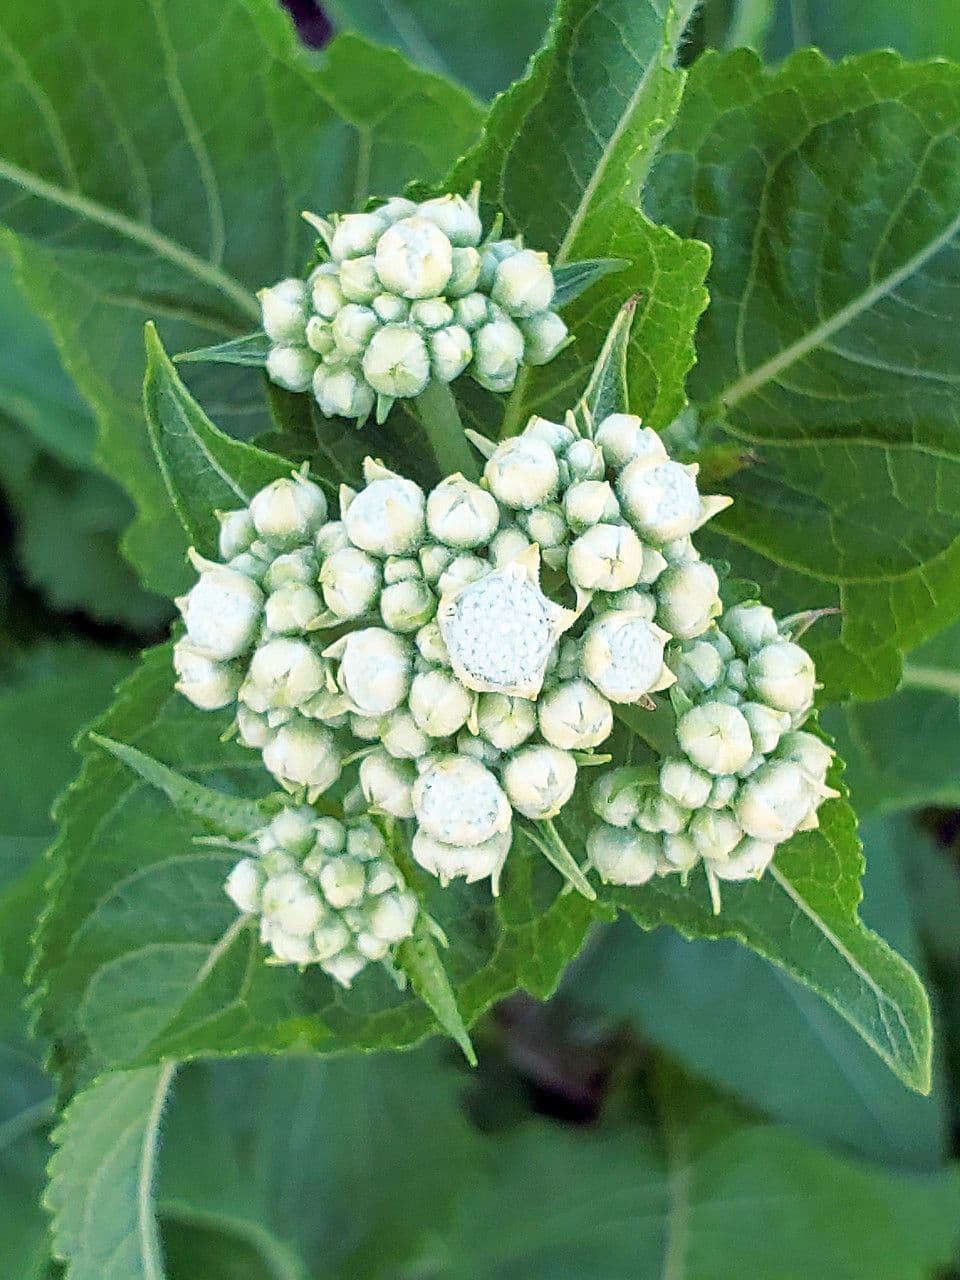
(438, 413)
(551, 845)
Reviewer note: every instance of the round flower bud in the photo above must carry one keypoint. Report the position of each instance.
(297, 566)
(291, 367)
(615, 797)
(722, 792)
(431, 647)
(287, 948)
(491, 255)
(468, 744)
(390, 309)
(350, 582)
(252, 729)
(325, 292)
(685, 784)
(414, 258)
(607, 557)
(540, 780)
(507, 545)
(343, 881)
(406, 606)
(403, 739)
(688, 598)
(621, 856)
(505, 722)
(474, 862)
(813, 755)
(456, 218)
(461, 514)
(401, 569)
(353, 327)
(522, 472)
(375, 670)
(464, 273)
(284, 673)
(387, 783)
(555, 434)
(698, 667)
(782, 674)
(331, 537)
(236, 532)
(715, 832)
(679, 854)
(623, 655)
(320, 337)
(244, 884)
(365, 842)
(459, 802)
(344, 967)
(497, 352)
(356, 234)
(292, 830)
(471, 311)
(284, 312)
(439, 703)
(750, 627)
(544, 525)
(460, 573)
(716, 737)
(292, 904)
(574, 716)
(303, 754)
(431, 313)
(748, 861)
(366, 728)
(288, 510)
(584, 460)
(658, 813)
(359, 280)
(387, 518)
(588, 502)
(222, 613)
(544, 336)
(623, 437)
(662, 501)
(434, 557)
(774, 801)
(392, 917)
(735, 676)
(450, 352)
(292, 608)
(397, 362)
(767, 726)
(523, 283)
(394, 209)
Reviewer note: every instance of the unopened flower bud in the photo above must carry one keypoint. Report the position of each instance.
(344, 967)
(774, 801)
(767, 726)
(555, 434)
(540, 780)
(284, 312)
(292, 903)
(782, 674)
(545, 525)
(356, 234)
(688, 598)
(464, 273)
(244, 884)
(397, 362)
(747, 861)
(715, 832)
(574, 716)
(662, 501)
(331, 537)
(607, 557)
(431, 313)
(504, 721)
(439, 703)
(284, 673)
(431, 646)
(633, 600)
(350, 581)
(456, 218)
(252, 729)
(584, 460)
(507, 545)
(523, 283)
(621, 856)
(375, 670)
(450, 352)
(722, 792)
(809, 752)
(497, 352)
(390, 309)
(615, 797)
(750, 627)
(353, 327)
(414, 258)
(320, 337)
(473, 862)
(544, 335)
(237, 532)
(303, 754)
(522, 472)
(392, 916)
(679, 854)
(291, 367)
(460, 573)
(343, 881)
(461, 514)
(659, 814)
(387, 518)
(403, 738)
(716, 737)
(623, 656)
(406, 606)
(698, 668)
(459, 802)
(222, 612)
(623, 438)
(359, 280)
(288, 510)
(588, 502)
(325, 292)
(687, 785)
(292, 609)
(471, 311)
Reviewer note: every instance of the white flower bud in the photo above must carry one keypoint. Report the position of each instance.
(687, 785)
(359, 280)
(288, 510)
(222, 612)
(330, 938)
(783, 676)
(356, 234)
(491, 255)
(287, 947)
(325, 292)
(406, 606)
(584, 461)
(813, 755)
(343, 881)
(523, 283)
(544, 336)
(574, 716)
(397, 362)
(662, 501)
(497, 352)
(390, 309)
(750, 627)
(715, 832)
(370, 946)
(403, 739)
(387, 783)
(588, 502)
(292, 904)
(291, 367)
(722, 792)
(688, 598)
(298, 566)
(292, 608)
(451, 350)
(659, 814)
(716, 737)
(353, 327)
(545, 526)
(679, 854)
(366, 728)
(459, 802)
(387, 518)
(439, 703)
(621, 856)
(431, 313)
(303, 754)
(394, 209)
(522, 472)
(236, 532)
(623, 656)
(284, 312)
(375, 670)
(633, 600)
(464, 273)
(623, 438)
(252, 729)
(507, 545)
(320, 337)
(774, 801)
(474, 862)
(616, 797)
(434, 558)
(456, 218)
(461, 572)
(244, 883)
(331, 537)
(607, 557)
(283, 673)
(461, 514)
(698, 668)
(414, 258)
(350, 580)
(555, 434)
(748, 861)
(471, 311)
(343, 968)
(431, 646)
(735, 676)
(392, 917)
(468, 744)
(540, 780)
(767, 726)
(292, 829)
(505, 722)
(365, 842)
(401, 569)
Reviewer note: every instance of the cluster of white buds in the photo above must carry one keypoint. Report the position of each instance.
(410, 293)
(325, 891)
(482, 634)
(746, 777)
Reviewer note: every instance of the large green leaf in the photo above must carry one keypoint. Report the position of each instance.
(928, 30)
(164, 177)
(829, 196)
(562, 154)
(142, 955)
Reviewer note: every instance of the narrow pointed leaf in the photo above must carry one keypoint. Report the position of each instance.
(574, 278)
(608, 390)
(419, 959)
(252, 349)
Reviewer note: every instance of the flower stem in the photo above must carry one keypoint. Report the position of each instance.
(438, 413)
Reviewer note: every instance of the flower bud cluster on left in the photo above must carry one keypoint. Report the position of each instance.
(410, 293)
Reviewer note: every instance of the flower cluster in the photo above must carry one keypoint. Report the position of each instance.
(475, 639)
(745, 778)
(411, 292)
(326, 893)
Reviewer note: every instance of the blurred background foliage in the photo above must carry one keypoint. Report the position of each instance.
(661, 1112)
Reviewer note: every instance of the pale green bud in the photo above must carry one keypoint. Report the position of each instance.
(623, 438)
(522, 472)
(298, 566)
(633, 600)
(813, 755)
(403, 738)
(284, 673)
(284, 312)
(207, 684)
(456, 218)
(497, 352)
(451, 350)
(292, 904)
(722, 792)
(244, 884)
(472, 311)
(505, 722)
(715, 832)
(623, 656)
(574, 716)
(750, 627)
(545, 526)
(767, 726)
(464, 274)
(439, 703)
(392, 917)
(387, 783)
(658, 813)
(688, 598)
(391, 309)
(353, 327)
(344, 967)
(406, 606)
(303, 754)
(387, 518)
(414, 258)
(716, 737)
(544, 335)
(615, 797)
(588, 502)
(523, 283)
(607, 557)
(735, 676)
(331, 537)
(585, 461)
(539, 781)
(292, 609)
(621, 856)
(222, 613)
(679, 854)
(748, 861)
(662, 501)
(356, 234)
(395, 208)
(350, 582)
(459, 802)
(252, 729)
(555, 434)
(325, 292)
(783, 676)
(236, 532)
(320, 336)
(375, 670)
(698, 668)
(343, 881)
(431, 313)
(461, 514)
(507, 545)
(288, 510)
(431, 646)
(774, 801)
(468, 744)
(400, 569)
(359, 280)
(291, 367)
(434, 557)
(365, 842)
(397, 362)
(460, 573)
(687, 785)
(474, 862)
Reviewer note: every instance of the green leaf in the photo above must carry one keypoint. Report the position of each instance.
(204, 470)
(141, 955)
(607, 391)
(227, 129)
(102, 1178)
(420, 960)
(829, 196)
(930, 30)
(563, 153)
(252, 349)
(574, 278)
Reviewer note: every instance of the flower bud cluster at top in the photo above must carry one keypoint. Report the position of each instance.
(475, 639)
(745, 778)
(325, 891)
(411, 293)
